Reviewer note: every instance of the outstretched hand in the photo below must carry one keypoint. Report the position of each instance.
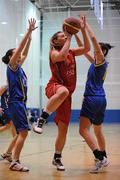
(82, 21)
(32, 23)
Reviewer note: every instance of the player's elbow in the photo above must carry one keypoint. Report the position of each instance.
(93, 38)
(87, 49)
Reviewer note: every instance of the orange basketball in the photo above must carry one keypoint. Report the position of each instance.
(72, 25)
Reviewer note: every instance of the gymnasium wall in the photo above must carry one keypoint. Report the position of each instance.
(13, 24)
(110, 33)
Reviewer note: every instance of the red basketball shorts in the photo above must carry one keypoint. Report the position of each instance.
(64, 110)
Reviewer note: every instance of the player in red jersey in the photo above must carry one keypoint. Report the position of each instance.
(61, 86)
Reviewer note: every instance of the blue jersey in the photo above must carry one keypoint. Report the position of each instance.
(4, 99)
(95, 79)
(17, 82)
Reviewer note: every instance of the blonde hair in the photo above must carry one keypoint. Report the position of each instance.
(53, 43)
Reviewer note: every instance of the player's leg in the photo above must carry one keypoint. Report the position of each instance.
(59, 145)
(16, 165)
(58, 94)
(62, 119)
(8, 154)
(22, 127)
(84, 131)
(98, 130)
(5, 127)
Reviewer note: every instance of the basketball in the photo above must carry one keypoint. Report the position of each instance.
(72, 25)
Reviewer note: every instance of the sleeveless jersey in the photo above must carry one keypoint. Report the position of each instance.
(95, 79)
(64, 72)
(17, 82)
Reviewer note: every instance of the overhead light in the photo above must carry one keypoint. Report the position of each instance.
(3, 22)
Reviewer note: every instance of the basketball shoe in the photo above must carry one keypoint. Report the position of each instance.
(7, 156)
(100, 165)
(39, 127)
(17, 166)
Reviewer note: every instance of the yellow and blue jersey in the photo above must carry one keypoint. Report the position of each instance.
(17, 82)
(95, 79)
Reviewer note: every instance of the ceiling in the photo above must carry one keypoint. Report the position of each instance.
(63, 5)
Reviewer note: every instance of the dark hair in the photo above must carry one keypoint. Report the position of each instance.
(6, 58)
(53, 43)
(105, 47)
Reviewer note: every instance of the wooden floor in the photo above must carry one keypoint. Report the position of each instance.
(77, 157)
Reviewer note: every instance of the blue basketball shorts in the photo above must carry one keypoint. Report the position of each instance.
(93, 107)
(19, 116)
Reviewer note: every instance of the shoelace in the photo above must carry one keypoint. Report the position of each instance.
(99, 164)
(58, 161)
(41, 122)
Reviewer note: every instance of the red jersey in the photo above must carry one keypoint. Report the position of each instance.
(64, 72)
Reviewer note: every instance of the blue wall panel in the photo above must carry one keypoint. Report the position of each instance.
(111, 116)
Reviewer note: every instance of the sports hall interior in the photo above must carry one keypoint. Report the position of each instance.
(104, 17)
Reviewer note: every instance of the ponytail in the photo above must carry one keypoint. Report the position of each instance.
(106, 47)
(7, 56)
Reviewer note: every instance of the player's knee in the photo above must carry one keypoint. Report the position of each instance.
(23, 134)
(64, 93)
